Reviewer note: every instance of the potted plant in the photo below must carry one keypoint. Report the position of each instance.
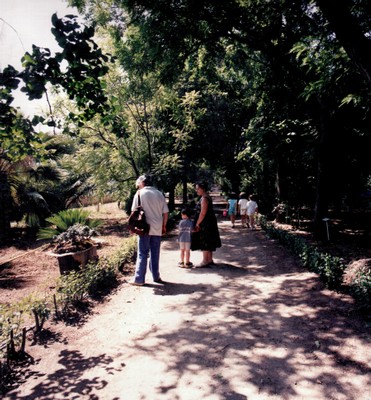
(71, 232)
(74, 248)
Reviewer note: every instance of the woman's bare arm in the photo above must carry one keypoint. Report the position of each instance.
(204, 207)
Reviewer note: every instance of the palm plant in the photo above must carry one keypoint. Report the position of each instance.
(31, 187)
(61, 221)
(39, 189)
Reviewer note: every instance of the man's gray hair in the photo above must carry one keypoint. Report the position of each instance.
(145, 179)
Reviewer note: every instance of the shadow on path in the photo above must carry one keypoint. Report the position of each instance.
(269, 316)
(254, 326)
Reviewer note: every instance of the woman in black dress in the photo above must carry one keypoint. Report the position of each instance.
(206, 233)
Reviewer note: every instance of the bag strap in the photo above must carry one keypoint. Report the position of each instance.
(138, 198)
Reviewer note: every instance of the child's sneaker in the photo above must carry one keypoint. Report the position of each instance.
(188, 265)
(181, 264)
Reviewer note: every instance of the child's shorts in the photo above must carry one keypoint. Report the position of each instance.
(185, 245)
(243, 211)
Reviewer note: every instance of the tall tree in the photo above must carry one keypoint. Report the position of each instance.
(83, 67)
(173, 31)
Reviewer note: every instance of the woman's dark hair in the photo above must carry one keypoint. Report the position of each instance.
(243, 195)
(203, 186)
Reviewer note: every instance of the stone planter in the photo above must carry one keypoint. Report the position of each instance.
(68, 262)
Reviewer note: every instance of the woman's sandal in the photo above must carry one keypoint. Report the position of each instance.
(202, 265)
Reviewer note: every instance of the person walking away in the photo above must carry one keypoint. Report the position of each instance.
(232, 208)
(206, 233)
(242, 208)
(252, 209)
(184, 238)
(157, 213)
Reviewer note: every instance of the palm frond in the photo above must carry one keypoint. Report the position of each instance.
(61, 221)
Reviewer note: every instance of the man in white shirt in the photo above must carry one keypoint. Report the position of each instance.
(157, 213)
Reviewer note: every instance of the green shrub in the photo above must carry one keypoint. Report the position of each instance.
(360, 288)
(11, 319)
(61, 221)
(37, 308)
(125, 254)
(71, 288)
(100, 277)
(41, 312)
(74, 287)
(95, 278)
(329, 268)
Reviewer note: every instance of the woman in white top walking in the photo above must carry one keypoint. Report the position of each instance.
(242, 208)
(252, 209)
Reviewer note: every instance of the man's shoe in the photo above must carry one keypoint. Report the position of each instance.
(136, 283)
(159, 280)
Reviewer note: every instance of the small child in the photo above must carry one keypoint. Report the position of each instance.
(184, 239)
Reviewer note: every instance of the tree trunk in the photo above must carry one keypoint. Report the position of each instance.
(171, 202)
(277, 185)
(5, 201)
(185, 190)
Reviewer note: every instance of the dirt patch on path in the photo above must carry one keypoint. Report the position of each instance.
(254, 326)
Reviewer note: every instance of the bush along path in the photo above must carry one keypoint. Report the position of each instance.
(256, 325)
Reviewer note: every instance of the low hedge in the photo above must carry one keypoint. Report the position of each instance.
(329, 268)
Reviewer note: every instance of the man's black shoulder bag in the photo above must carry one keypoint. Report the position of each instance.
(137, 221)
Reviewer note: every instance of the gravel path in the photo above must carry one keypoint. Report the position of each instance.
(255, 326)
